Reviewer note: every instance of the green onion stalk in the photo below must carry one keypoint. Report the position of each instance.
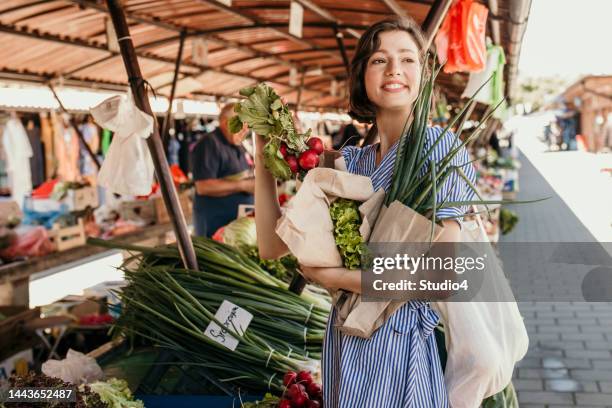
(419, 191)
(171, 307)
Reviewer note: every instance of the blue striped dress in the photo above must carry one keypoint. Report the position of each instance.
(399, 366)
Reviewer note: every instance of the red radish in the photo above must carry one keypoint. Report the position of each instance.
(283, 149)
(285, 403)
(293, 163)
(289, 378)
(309, 159)
(313, 389)
(299, 400)
(313, 404)
(315, 144)
(295, 389)
(304, 377)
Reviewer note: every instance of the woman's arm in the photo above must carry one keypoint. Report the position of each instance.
(267, 209)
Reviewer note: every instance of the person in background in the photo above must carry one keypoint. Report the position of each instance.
(348, 135)
(222, 172)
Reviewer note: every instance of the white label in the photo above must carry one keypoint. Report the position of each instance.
(227, 3)
(199, 51)
(233, 318)
(296, 19)
(111, 37)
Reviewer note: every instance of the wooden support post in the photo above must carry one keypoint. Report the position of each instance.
(340, 41)
(76, 129)
(434, 19)
(177, 67)
(154, 142)
(298, 99)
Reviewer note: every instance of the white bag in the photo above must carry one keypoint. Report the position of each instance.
(76, 368)
(484, 340)
(128, 168)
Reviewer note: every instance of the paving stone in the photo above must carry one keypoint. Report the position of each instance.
(582, 336)
(545, 397)
(602, 364)
(605, 386)
(562, 345)
(600, 399)
(557, 329)
(598, 345)
(588, 354)
(528, 385)
(593, 375)
(541, 373)
(563, 385)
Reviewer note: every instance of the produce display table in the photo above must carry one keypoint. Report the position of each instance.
(14, 277)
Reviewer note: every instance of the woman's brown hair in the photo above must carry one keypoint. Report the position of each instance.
(360, 107)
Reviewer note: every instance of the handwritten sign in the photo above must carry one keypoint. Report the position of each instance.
(233, 318)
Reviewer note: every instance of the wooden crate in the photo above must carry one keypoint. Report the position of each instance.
(162, 213)
(81, 198)
(137, 210)
(68, 237)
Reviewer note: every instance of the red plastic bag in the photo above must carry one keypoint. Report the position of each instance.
(461, 39)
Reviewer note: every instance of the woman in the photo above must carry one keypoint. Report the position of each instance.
(399, 365)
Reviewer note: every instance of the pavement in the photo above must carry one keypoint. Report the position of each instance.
(569, 362)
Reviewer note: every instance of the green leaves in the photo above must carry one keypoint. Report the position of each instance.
(347, 220)
(235, 124)
(273, 160)
(266, 114)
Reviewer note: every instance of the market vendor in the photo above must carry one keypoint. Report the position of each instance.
(222, 172)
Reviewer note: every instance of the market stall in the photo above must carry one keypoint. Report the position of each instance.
(204, 51)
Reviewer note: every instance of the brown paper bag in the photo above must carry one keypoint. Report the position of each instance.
(396, 223)
(306, 226)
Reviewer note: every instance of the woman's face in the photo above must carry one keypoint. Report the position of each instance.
(393, 72)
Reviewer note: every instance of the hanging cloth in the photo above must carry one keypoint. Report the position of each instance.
(66, 143)
(37, 161)
(460, 42)
(46, 137)
(18, 152)
(107, 137)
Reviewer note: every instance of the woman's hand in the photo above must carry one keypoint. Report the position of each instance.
(333, 278)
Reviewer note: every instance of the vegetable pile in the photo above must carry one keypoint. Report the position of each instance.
(287, 152)
(507, 220)
(171, 307)
(347, 220)
(85, 397)
(115, 393)
(301, 391)
(242, 235)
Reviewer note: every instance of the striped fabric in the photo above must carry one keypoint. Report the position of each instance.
(399, 366)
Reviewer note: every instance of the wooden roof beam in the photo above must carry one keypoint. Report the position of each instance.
(99, 47)
(321, 12)
(396, 8)
(177, 28)
(256, 21)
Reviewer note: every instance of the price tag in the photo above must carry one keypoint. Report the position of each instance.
(233, 318)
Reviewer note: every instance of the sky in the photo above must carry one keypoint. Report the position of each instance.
(567, 38)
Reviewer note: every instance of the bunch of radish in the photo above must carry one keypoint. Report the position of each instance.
(301, 162)
(301, 391)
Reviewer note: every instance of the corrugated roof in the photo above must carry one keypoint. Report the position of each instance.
(246, 43)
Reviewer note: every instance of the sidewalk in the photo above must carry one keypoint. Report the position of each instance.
(569, 363)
